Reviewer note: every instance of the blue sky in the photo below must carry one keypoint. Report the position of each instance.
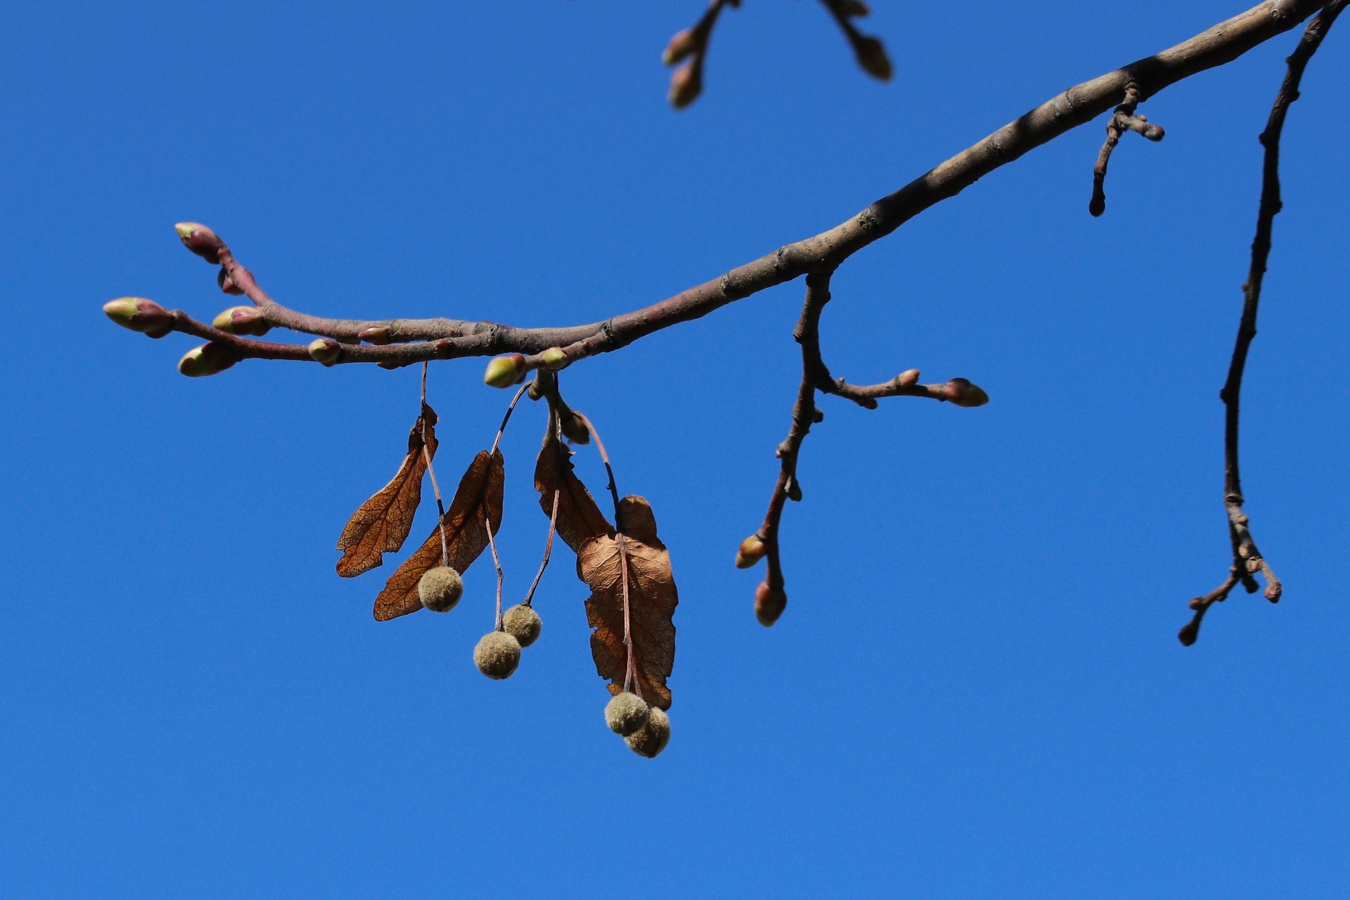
(976, 689)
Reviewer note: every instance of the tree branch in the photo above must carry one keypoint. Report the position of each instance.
(1247, 559)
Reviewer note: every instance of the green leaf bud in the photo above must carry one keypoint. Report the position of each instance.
(375, 334)
(751, 551)
(505, 371)
(242, 320)
(440, 588)
(626, 713)
(497, 654)
(200, 240)
(522, 623)
(208, 359)
(324, 350)
(554, 358)
(961, 392)
(140, 314)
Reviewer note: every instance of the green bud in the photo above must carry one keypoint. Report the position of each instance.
(685, 86)
(497, 654)
(140, 314)
(554, 358)
(652, 737)
(522, 623)
(626, 713)
(208, 359)
(962, 393)
(242, 320)
(769, 604)
(440, 588)
(324, 350)
(751, 551)
(505, 371)
(200, 240)
(682, 43)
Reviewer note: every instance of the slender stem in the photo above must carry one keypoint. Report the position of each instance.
(431, 470)
(501, 576)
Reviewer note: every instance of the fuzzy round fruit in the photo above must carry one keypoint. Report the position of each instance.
(652, 737)
(626, 713)
(522, 623)
(440, 588)
(497, 654)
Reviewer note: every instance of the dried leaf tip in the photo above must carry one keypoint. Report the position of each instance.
(505, 371)
(200, 240)
(140, 315)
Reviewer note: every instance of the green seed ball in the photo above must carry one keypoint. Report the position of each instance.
(440, 588)
(497, 654)
(626, 713)
(522, 623)
(653, 736)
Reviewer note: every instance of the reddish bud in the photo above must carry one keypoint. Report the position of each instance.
(242, 320)
(140, 314)
(908, 378)
(505, 371)
(375, 334)
(962, 393)
(324, 350)
(200, 240)
(207, 359)
(751, 551)
(872, 57)
(685, 86)
(227, 283)
(681, 45)
(769, 604)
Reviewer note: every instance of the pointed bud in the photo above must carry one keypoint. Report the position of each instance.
(908, 378)
(554, 358)
(375, 334)
(505, 371)
(962, 393)
(208, 359)
(242, 320)
(140, 314)
(227, 284)
(872, 57)
(575, 430)
(751, 551)
(324, 350)
(769, 604)
(685, 86)
(681, 45)
(200, 240)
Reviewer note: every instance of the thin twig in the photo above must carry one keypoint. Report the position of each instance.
(1122, 120)
(501, 576)
(1247, 559)
(431, 470)
(552, 520)
(604, 457)
(510, 407)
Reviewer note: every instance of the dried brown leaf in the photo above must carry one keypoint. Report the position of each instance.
(579, 519)
(479, 491)
(382, 523)
(651, 599)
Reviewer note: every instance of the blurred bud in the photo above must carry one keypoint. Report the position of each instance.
(908, 378)
(685, 85)
(324, 350)
(854, 9)
(769, 604)
(554, 358)
(1189, 632)
(872, 57)
(227, 283)
(242, 320)
(575, 430)
(200, 240)
(375, 334)
(505, 371)
(680, 46)
(140, 314)
(751, 551)
(207, 359)
(962, 393)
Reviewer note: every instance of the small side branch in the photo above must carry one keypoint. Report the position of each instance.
(1247, 559)
(1122, 120)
